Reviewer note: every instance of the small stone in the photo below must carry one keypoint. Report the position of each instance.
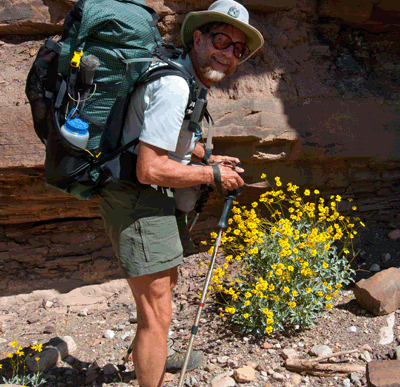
(48, 304)
(367, 347)
(244, 375)
(222, 359)
(223, 380)
(232, 363)
(126, 335)
(385, 257)
(375, 268)
(118, 328)
(352, 329)
(260, 368)
(365, 355)
(192, 381)
(354, 378)
(49, 329)
(133, 318)
(109, 334)
(210, 368)
(92, 367)
(267, 345)
(91, 377)
(278, 376)
(320, 350)
(83, 313)
(251, 364)
(397, 350)
(33, 320)
(346, 383)
(296, 378)
(386, 333)
(289, 353)
(395, 234)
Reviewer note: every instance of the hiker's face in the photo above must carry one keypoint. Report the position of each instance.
(211, 64)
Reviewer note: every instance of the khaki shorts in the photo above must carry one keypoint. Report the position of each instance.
(141, 222)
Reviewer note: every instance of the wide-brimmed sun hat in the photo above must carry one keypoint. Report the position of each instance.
(225, 11)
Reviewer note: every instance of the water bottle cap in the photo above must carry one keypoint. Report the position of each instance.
(76, 125)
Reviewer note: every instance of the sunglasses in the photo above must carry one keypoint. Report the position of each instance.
(221, 41)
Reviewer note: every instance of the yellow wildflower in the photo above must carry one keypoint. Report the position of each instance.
(269, 329)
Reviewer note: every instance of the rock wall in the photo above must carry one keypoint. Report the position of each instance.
(318, 106)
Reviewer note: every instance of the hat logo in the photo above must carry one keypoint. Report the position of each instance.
(234, 12)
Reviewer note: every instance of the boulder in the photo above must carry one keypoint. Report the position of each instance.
(58, 348)
(32, 16)
(383, 373)
(380, 294)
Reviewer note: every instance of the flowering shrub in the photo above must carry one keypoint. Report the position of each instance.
(288, 267)
(18, 367)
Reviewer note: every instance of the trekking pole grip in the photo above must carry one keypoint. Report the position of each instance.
(223, 221)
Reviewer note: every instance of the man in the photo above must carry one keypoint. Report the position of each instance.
(139, 215)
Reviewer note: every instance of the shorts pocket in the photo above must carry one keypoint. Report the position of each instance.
(160, 237)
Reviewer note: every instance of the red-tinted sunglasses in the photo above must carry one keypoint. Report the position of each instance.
(221, 41)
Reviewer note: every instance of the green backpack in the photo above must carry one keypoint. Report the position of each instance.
(90, 73)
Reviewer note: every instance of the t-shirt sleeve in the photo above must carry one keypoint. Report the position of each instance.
(165, 104)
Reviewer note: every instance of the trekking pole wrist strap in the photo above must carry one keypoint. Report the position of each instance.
(217, 178)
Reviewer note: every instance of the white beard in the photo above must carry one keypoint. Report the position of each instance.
(214, 75)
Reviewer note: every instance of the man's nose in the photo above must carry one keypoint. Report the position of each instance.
(228, 52)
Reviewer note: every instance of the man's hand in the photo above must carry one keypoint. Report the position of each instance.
(217, 159)
(230, 179)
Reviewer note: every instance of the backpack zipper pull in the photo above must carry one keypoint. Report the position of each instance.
(137, 227)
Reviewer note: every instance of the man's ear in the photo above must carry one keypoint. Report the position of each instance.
(197, 38)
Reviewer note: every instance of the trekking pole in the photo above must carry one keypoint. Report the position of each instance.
(223, 224)
(199, 111)
(201, 202)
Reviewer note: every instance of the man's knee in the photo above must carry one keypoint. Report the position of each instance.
(153, 301)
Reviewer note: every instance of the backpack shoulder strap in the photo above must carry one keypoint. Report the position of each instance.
(172, 68)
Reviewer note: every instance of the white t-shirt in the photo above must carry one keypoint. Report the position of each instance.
(156, 112)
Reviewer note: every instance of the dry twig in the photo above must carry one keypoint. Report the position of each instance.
(315, 367)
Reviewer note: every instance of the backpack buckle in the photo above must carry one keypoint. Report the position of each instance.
(76, 59)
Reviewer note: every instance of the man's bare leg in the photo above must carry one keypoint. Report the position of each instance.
(153, 298)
